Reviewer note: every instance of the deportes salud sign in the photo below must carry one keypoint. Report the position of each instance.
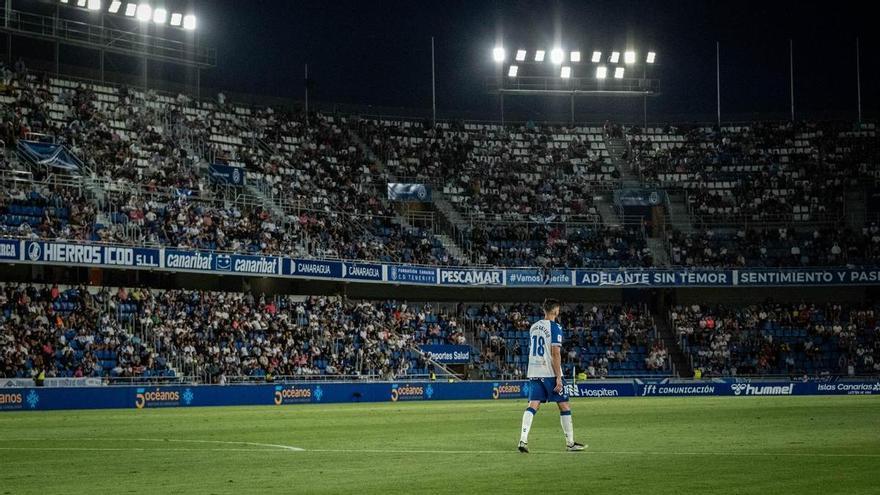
(220, 263)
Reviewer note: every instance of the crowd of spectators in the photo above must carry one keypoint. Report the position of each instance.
(600, 341)
(760, 171)
(770, 339)
(216, 336)
(776, 247)
(72, 332)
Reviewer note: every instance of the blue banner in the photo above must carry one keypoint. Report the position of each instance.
(463, 276)
(225, 174)
(808, 277)
(312, 268)
(176, 259)
(172, 259)
(49, 155)
(9, 250)
(654, 278)
(91, 254)
(362, 271)
(44, 398)
(409, 192)
(449, 354)
(422, 275)
(251, 265)
(530, 277)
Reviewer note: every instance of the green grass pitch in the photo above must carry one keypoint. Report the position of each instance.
(761, 445)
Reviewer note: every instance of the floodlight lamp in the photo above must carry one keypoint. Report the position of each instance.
(601, 72)
(511, 72)
(618, 73)
(539, 56)
(629, 57)
(189, 22)
(557, 56)
(597, 57)
(615, 57)
(94, 4)
(144, 12)
(176, 19)
(566, 72)
(114, 6)
(64, 1)
(130, 9)
(651, 57)
(575, 56)
(498, 54)
(160, 16)
(80, 3)
(520, 55)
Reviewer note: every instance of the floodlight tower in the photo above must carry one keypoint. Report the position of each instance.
(561, 71)
(147, 30)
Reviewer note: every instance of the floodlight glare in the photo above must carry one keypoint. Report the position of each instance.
(601, 72)
(539, 56)
(575, 56)
(144, 12)
(114, 6)
(176, 19)
(651, 56)
(130, 9)
(615, 57)
(160, 16)
(80, 3)
(597, 57)
(189, 22)
(629, 57)
(618, 73)
(557, 56)
(94, 4)
(498, 54)
(64, 1)
(520, 55)
(511, 72)
(566, 72)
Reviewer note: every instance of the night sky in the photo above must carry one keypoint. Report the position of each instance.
(378, 53)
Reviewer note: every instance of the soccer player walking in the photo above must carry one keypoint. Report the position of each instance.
(545, 376)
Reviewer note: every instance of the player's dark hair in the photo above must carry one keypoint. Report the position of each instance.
(550, 304)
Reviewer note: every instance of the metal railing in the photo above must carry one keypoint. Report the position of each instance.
(109, 39)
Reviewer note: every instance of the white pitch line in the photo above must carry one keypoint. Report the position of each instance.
(162, 440)
(290, 448)
(129, 449)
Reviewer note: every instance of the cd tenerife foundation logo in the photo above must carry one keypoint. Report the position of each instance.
(288, 394)
(159, 398)
(410, 392)
(507, 390)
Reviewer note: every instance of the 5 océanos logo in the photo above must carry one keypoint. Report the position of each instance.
(500, 390)
(158, 397)
(292, 393)
(410, 392)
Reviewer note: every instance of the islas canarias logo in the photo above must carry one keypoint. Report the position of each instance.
(162, 398)
(410, 392)
(506, 390)
(285, 394)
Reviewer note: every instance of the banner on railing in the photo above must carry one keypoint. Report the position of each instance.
(146, 397)
(409, 192)
(538, 276)
(226, 174)
(49, 155)
(191, 260)
(448, 354)
(91, 254)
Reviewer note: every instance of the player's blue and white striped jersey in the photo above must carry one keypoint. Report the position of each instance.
(542, 335)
